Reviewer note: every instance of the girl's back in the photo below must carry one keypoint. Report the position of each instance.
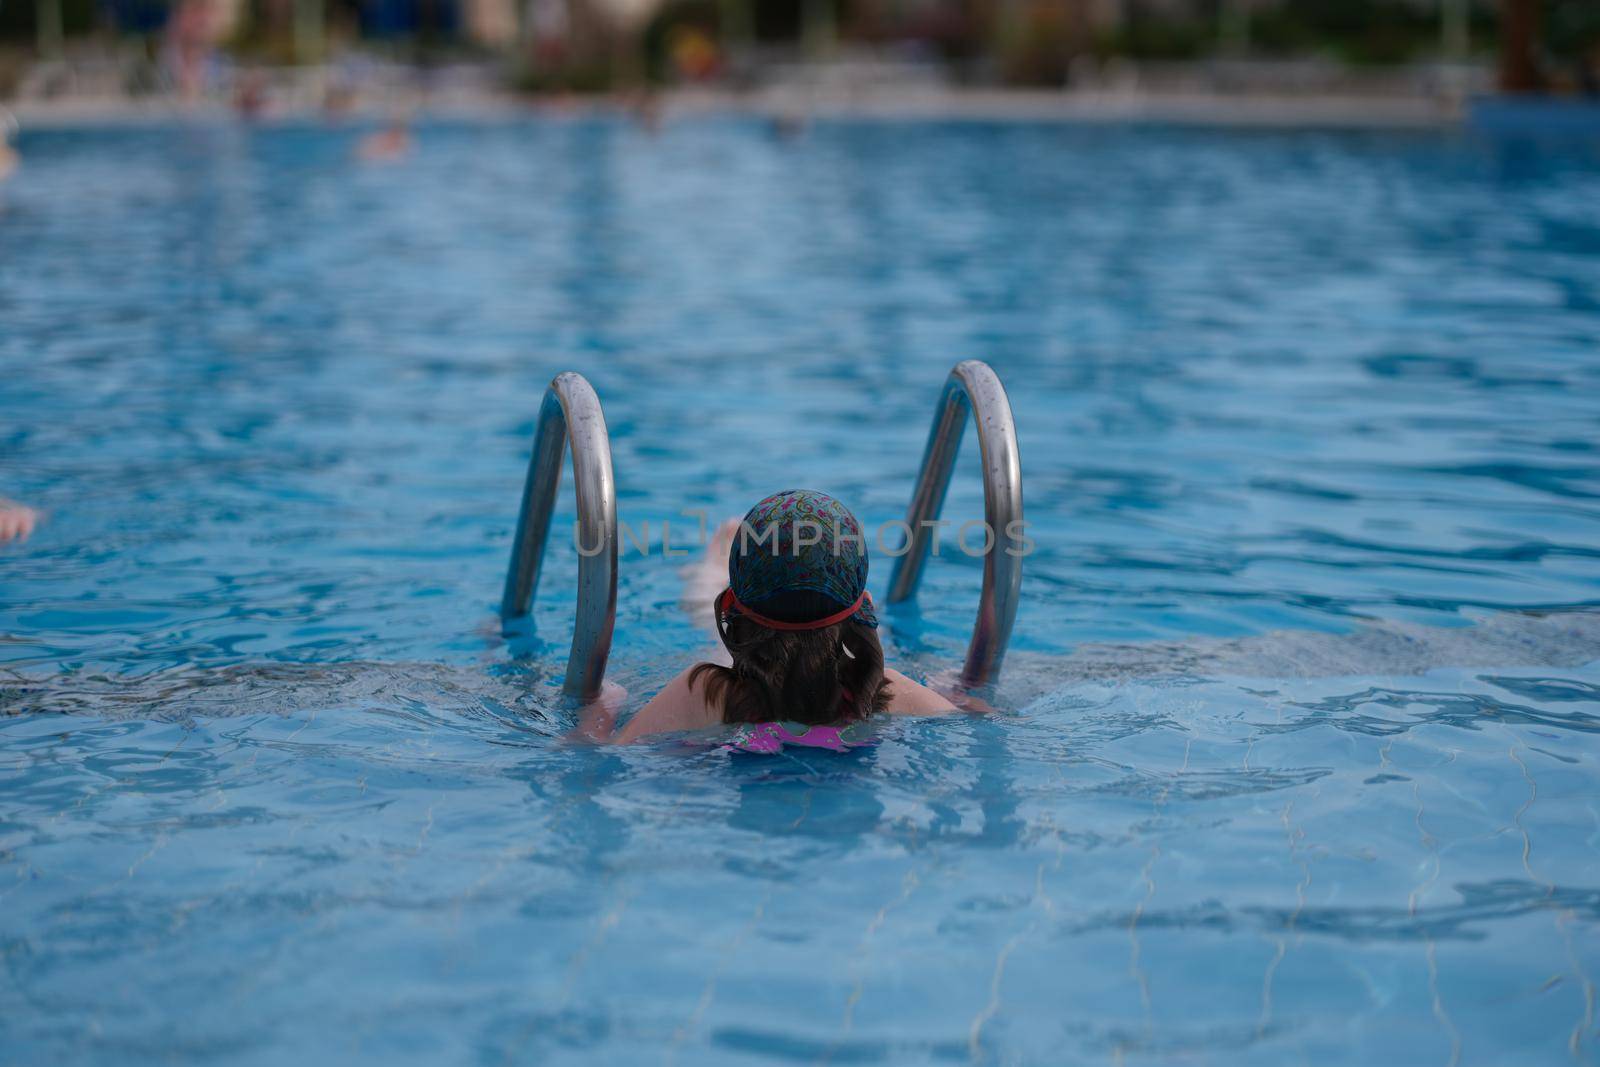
(800, 635)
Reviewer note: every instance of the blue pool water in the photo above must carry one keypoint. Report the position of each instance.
(1303, 719)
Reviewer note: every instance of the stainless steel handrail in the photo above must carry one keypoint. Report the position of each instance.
(571, 415)
(972, 386)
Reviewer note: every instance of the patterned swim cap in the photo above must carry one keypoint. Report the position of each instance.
(794, 543)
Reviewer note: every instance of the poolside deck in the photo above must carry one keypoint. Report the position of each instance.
(978, 105)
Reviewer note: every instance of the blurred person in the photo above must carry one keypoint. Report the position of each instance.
(17, 521)
(338, 101)
(389, 144)
(645, 107)
(250, 101)
(804, 664)
(550, 24)
(694, 54)
(343, 86)
(192, 34)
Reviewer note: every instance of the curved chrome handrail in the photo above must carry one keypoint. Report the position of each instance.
(973, 386)
(571, 415)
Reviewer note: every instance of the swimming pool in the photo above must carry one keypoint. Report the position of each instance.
(1301, 759)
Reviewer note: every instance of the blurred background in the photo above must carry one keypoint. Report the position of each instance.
(266, 56)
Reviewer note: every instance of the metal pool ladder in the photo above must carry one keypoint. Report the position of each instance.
(571, 415)
(972, 386)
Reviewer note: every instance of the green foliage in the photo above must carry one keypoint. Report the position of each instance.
(703, 15)
(1036, 48)
(585, 78)
(1143, 36)
(1572, 29)
(1356, 31)
(19, 19)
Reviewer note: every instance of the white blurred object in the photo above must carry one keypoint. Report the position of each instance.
(629, 13)
(9, 159)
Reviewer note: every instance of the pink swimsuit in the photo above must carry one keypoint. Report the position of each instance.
(770, 737)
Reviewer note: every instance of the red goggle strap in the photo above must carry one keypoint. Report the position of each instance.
(728, 602)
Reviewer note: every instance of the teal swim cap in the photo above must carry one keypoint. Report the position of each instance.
(796, 555)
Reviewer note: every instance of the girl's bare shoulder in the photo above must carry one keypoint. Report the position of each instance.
(679, 706)
(907, 697)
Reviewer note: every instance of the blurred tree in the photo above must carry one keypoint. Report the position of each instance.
(1519, 30)
(50, 31)
(680, 42)
(1151, 31)
(1355, 31)
(1036, 41)
(45, 24)
(1572, 41)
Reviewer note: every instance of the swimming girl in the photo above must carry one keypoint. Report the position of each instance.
(16, 521)
(804, 665)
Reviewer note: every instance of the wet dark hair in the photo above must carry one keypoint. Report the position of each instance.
(803, 676)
